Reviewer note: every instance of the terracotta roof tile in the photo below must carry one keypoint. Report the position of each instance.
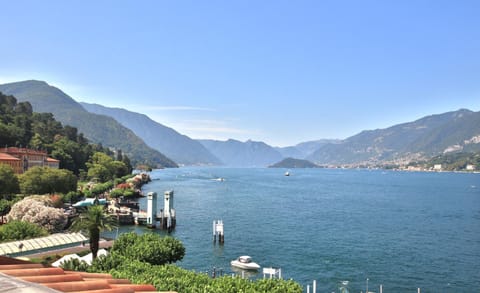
(21, 266)
(116, 290)
(33, 272)
(136, 287)
(53, 278)
(79, 285)
(7, 157)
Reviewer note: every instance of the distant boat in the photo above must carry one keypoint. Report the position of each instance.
(245, 262)
(219, 179)
(287, 173)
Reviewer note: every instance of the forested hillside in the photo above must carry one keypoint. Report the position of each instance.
(20, 126)
(97, 128)
(180, 148)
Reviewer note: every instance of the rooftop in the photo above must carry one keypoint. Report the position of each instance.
(37, 244)
(16, 150)
(7, 157)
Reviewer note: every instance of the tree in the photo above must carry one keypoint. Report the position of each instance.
(8, 180)
(5, 207)
(36, 210)
(19, 230)
(99, 171)
(92, 221)
(43, 180)
(149, 247)
(103, 167)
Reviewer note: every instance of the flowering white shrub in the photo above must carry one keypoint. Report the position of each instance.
(34, 211)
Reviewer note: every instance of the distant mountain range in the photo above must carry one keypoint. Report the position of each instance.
(180, 148)
(305, 149)
(421, 139)
(144, 139)
(97, 128)
(243, 154)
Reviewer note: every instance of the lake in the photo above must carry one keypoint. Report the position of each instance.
(405, 230)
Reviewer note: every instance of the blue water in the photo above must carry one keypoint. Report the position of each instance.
(403, 230)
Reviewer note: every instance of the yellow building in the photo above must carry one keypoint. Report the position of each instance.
(21, 159)
(12, 161)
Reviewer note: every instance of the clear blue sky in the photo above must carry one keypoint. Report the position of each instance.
(282, 72)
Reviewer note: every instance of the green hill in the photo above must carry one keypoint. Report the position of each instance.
(293, 163)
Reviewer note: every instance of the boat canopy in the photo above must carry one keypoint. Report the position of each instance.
(90, 202)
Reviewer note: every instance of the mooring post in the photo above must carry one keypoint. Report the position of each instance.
(214, 233)
(314, 289)
(381, 288)
(151, 209)
(167, 214)
(218, 230)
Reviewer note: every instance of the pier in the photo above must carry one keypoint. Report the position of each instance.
(165, 220)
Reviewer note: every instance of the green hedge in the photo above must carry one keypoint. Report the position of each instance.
(173, 278)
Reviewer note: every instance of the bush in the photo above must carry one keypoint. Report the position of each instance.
(75, 265)
(136, 257)
(172, 278)
(72, 197)
(18, 230)
(149, 247)
(8, 181)
(116, 193)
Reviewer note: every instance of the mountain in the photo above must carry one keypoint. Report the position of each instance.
(235, 153)
(421, 139)
(304, 149)
(97, 128)
(180, 148)
(293, 163)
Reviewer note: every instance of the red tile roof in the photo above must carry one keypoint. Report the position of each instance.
(7, 157)
(15, 150)
(66, 281)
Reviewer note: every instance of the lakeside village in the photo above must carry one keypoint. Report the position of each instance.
(120, 201)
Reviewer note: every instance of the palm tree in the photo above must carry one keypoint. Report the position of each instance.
(92, 221)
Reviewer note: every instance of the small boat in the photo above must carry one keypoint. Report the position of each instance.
(287, 173)
(244, 262)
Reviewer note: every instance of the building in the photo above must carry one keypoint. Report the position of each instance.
(14, 162)
(21, 159)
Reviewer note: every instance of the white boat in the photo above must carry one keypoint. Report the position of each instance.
(244, 262)
(287, 173)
